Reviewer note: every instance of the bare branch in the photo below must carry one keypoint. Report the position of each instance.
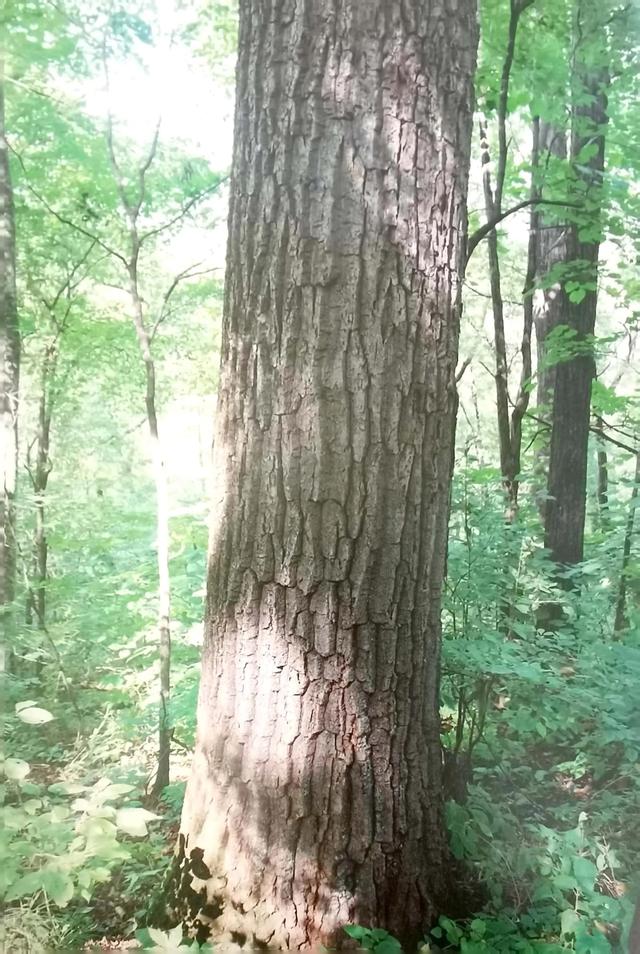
(594, 430)
(476, 237)
(65, 221)
(184, 211)
(79, 228)
(145, 166)
(463, 368)
(191, 272)
(69, 285)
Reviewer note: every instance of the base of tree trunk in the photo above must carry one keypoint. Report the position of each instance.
(210, 916)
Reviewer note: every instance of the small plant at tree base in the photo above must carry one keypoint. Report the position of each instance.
(167, 942)
(374, 939)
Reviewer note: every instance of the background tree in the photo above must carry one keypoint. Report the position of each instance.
(571, 409)
(9, 374)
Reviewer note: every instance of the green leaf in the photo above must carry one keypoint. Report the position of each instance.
(133, 821)
(166, 941)
(479, 927)
(58, 886)
(356, 931)
(28, 884)
(586, 873)
(15, 769)
(33, 715)
(569, 920)
(390, 945)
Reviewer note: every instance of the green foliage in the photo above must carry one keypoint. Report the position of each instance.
(158, 941)
(551, 717)
(373, 939)
(546, 709)
(60, 840)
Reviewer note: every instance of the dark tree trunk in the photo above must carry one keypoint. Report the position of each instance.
(315, 795)
(550, 302)
(568, 450)
(621, 621)
(602, 470)
(39, 467)
(9, 370)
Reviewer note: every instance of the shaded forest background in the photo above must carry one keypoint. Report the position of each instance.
(119, 178)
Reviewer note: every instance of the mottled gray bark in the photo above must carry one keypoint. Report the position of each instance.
(315, 795)
(9, 370)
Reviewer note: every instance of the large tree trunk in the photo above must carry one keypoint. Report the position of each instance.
(567, 478)
(9, 369)
(315, 795)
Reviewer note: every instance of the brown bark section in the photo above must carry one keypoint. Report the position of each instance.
(315, 795)
(602, 471)
(550, 303)
(9, 372)
(568, 450)
(621, 622)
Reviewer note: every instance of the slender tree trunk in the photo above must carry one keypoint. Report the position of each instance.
(550, 303)
(9, 372)
(509, 425)
(621, 622)
(567, 480)
(162, 532)
(550, 307)
(315, 796)
(602, 467)
(39, 470)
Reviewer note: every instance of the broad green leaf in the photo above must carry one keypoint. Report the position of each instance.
(15, 769)
(569, 920)
(390, 945)
(133, 821)
(58, 886)
(586, 873)
(34, 715)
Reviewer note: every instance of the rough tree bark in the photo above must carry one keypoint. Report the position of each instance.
(568, 450)
(315, 794)
(9, 372)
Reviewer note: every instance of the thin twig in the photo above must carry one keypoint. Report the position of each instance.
(184, 211)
